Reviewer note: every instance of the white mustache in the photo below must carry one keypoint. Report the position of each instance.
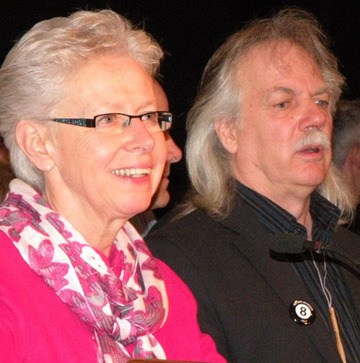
(316, 137)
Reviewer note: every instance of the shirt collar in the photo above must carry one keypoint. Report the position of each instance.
(325, 215)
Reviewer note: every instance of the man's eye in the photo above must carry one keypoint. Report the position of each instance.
(322, 103)
(282, 105)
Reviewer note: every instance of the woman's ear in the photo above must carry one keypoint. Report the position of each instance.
(227, 131)
(34, 141)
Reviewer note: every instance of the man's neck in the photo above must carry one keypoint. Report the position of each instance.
(296, 203)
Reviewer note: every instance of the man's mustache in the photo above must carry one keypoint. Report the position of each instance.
(314, 137)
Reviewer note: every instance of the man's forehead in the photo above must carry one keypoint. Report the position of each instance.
(277, 52)
(277, 60)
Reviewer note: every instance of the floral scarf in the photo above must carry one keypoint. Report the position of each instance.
(122, 297)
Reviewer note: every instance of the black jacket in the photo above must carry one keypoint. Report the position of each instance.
(244, 293)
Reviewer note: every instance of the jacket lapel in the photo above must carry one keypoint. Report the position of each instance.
(255, 241)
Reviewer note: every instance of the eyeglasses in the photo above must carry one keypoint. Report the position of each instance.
(153, 121)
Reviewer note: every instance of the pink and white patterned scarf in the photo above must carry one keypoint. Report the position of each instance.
(123, 297)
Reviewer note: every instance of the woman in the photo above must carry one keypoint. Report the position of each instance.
(77, 283)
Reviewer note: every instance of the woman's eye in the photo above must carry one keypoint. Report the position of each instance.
(106, 119)
(147, 117)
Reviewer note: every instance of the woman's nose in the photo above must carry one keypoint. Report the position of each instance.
(141, 138)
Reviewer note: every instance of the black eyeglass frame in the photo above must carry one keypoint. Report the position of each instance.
(164, 118)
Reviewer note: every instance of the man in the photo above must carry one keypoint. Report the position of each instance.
(259, 159)
(346, 153)
(145, 221)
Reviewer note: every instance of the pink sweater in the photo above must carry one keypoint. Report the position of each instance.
(36, 326)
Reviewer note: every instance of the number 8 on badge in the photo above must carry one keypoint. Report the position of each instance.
(302, 312)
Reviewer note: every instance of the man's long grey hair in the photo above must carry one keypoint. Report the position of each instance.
(220, 95)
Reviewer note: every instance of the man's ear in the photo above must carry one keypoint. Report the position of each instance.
(226, 131)
(34, 141)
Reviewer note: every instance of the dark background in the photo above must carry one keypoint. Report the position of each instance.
(190, 31)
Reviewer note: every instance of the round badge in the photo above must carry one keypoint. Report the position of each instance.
(302, 312)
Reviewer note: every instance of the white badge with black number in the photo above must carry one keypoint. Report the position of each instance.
(302, 312)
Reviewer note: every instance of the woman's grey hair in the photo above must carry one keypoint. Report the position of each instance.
(219, 97)
(34, 74)
(346, 133)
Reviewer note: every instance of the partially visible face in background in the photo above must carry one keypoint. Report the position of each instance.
(174, 154)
